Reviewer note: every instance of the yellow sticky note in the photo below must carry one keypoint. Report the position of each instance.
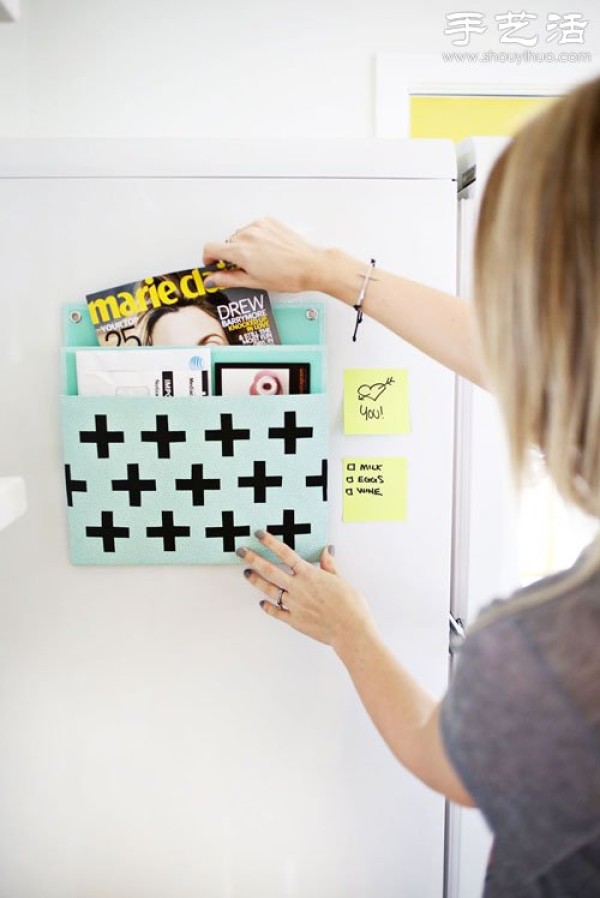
(374, 489)
(376, 401)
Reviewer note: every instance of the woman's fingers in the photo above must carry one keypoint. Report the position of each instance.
(276, 594)
(283, 552)
(231, 277)
(274, 610)
(231, 250)
(314, 600)
(227, 277)
(215, 252)
(327, 561)
(269, 572)
(276, 606)
(268, 255)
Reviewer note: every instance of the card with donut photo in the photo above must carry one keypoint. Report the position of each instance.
(254, 379)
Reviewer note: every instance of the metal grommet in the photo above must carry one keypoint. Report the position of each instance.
(75, 317)
(312, 314)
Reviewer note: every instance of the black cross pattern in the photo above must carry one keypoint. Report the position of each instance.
(290, 433)
(260, 483)
(73, 486)
(101, 436)
(133, 485)
(227, 435)
(168, 532)
(163, 437)
(288, 530)
(107, 531)
(198, 484)
(228, 531)
(319, 479)
(264, 478)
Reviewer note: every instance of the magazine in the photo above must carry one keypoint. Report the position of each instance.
(178, 309)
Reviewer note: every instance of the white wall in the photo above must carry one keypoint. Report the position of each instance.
(118, 68)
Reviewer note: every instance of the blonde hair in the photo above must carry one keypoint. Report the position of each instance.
(537, 292)
(537, 303)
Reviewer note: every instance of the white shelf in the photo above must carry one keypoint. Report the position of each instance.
(12, 500)
(25, 157)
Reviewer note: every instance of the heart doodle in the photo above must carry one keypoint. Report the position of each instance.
(373, 391)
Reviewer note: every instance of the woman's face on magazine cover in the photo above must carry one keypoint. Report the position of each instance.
(188, 327)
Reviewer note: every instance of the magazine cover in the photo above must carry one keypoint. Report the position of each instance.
(177, 309)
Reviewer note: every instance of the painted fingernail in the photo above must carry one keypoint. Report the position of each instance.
(331, 550)
(247, 572)
(259, 534)
(209, 282)
(262, 603)
(241, 551)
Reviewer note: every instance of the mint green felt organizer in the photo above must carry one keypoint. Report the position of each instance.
(187, 480)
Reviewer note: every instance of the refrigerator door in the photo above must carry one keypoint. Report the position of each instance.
(486, 515)
(490, 558)
(161, 735)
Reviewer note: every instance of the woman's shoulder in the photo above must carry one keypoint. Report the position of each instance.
(565, 595)
(521, 719)
(541, 640)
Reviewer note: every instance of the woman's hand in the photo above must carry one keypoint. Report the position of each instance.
(270, 255)
(315, 601)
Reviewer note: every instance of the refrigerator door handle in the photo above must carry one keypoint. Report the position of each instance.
(457, 632)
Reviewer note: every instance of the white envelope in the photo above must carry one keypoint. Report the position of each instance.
(143, 372)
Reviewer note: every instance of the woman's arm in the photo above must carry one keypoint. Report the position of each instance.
(321, 604)
(270, 255)
(406, 716)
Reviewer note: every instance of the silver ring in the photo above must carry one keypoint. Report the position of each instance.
(282, 592)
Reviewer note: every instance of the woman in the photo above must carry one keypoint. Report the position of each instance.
(518, 732)
(188, 322)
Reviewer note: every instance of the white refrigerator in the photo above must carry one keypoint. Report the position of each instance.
(161, 735)
(486, 511)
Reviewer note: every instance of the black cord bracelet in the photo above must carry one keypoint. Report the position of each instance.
(359, 299)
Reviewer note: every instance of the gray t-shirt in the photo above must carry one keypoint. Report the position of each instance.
(521, 725)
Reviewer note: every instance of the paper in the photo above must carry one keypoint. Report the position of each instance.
(143, 372)
(376, 401)
(458, 117)
(374, 489)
